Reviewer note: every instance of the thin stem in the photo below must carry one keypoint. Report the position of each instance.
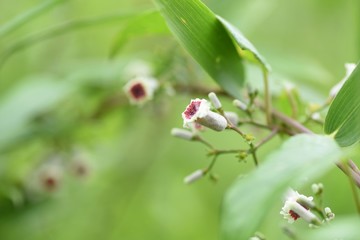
(211, 165)
(267, 97)
(219, 152)
(256, 124)
(293, 104)
(253, 153)
(268, 138)
(203, 141)
(353, 188)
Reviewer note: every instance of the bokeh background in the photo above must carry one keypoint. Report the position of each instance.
(118, 172)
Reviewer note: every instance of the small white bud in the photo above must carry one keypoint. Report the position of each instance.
(316, 116)
(215, 100)
(239, 104)
(317, 188)
(193, 177)
(232, 117)
(181, 133)
(329, 214)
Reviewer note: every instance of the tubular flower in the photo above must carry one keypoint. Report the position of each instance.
(199, 111)
(140, 89)
(297, 206)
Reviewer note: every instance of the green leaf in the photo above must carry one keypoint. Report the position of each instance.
(247, 202)
(205, 38)
(61, 29)
(245, 47)
(340, 228)
(25, 102)
(343, 117)
(149, 22)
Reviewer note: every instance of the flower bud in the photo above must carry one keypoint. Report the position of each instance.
(232, 117)
(317, 188)
(181, 133)
(215, 100)
(193, 177)
(239, 104)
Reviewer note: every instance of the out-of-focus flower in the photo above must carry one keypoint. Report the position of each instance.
(138, 68)
(141, 89)
(194, 176)
(349, 69)
(199, 111)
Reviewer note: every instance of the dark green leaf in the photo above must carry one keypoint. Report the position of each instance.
(344, 113)
(250, 198)
(206, 39)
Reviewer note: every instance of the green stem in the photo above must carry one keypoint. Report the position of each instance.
(253, 153)
(353, 189)
(267, 96)
(211, 165)
(203, 141)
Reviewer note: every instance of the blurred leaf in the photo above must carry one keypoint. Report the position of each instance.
(27, 16)
(247, 49)
(150, 22)
(58, 30)
(341, 228)
(344, 113)
(249, 199)
(25, 102)
(206, 39)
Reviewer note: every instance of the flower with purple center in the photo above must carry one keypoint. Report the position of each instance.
(140, 89)
(298, 206)
(198, 111)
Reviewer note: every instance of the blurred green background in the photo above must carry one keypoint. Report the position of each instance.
(121, 172)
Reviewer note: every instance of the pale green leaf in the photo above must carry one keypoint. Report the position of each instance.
(27, 16)
(247, 202)
(247, 49)
(207, 41)
(340, 228)
(344, 113)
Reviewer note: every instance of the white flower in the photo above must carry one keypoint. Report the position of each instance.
(194, 176)
(141, 89)
(349, 69)
(298, 205)
(199, 111)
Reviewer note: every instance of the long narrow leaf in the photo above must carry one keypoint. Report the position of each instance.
(205, 38)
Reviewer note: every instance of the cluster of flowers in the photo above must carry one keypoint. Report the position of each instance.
(300, 206)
